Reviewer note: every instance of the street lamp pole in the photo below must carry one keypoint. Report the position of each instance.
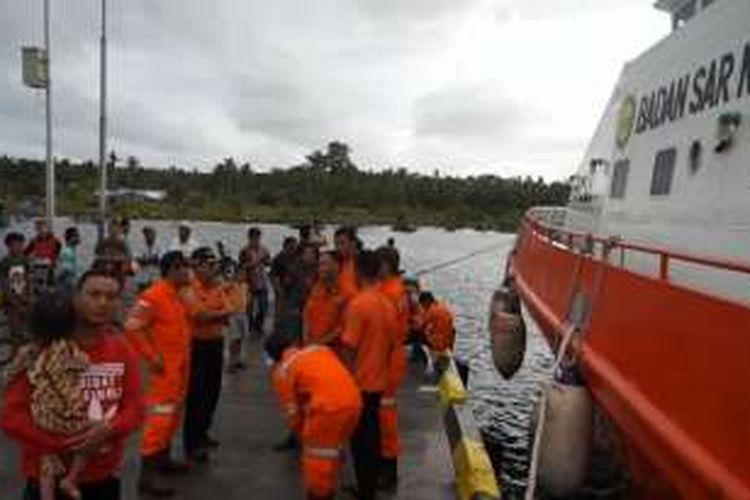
(103, 122)
(50, 171)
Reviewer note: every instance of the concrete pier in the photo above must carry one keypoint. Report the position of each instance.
(248, 424)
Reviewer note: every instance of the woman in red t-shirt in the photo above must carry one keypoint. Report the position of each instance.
(110, 385)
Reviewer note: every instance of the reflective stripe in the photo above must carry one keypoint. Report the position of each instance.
(165, 409)
(287, 364)
(143, 304)
(321, 452)
(387, 402)
(291, 409)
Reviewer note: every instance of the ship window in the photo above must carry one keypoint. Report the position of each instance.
(619, 179)
(661, 180)
(696, 157)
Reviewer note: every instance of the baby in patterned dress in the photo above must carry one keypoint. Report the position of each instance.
(54, 365)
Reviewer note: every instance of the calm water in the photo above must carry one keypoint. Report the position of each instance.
(502, 408)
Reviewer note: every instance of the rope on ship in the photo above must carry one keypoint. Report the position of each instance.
(567, 336)
(458, 260)
(535, 451)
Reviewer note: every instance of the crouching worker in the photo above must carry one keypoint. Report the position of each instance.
(321, 403)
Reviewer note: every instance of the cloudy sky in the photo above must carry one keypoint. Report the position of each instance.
(511, 87)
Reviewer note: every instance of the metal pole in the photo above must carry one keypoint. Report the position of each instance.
(103, 123)
(50, 172)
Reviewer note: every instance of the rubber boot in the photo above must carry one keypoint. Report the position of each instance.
(310, 496)
(211, 442)
(388, 477)
(167, 465)
(290, 443)
(150, 482)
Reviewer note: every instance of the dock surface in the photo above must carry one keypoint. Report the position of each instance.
(248, 424)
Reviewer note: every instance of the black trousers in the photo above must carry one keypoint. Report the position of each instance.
(206, 369)
(106, 489)
(365, 445)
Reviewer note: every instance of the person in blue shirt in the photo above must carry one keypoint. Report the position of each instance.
(68, 268)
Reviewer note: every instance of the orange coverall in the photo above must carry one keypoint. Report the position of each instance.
(393, 288)
(323, 315)
(322, 404)
(348, 278)
(158, 326)
(438, 327)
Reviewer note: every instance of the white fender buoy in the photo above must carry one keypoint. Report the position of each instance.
(507, 332)
(566, 440)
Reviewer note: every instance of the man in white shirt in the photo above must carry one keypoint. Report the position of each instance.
(256, 258)
(184, 242)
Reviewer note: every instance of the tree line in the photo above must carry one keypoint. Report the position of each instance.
(327, 186)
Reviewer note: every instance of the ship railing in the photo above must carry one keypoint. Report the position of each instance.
(549, 216)
(545, 221)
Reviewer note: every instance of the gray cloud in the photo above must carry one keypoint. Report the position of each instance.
(555, 9)
(412, 13)
(193, 81)
(468, 112)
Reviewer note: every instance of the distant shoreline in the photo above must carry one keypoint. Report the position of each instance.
(327, 188)
(296, 216)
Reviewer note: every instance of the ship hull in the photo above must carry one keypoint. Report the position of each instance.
(667, 364)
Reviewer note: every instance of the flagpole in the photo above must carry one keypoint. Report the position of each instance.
(103, 122)
(50, 171)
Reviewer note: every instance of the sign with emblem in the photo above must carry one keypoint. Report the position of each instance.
(625, 121)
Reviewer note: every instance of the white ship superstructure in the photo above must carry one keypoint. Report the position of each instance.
(669, 163)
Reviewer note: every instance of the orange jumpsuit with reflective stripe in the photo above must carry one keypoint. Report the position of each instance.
(322, 404)
(439, 330)
(158, 326)
(393, 288)
(323, 315)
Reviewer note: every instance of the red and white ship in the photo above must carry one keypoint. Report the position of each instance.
(652, 258)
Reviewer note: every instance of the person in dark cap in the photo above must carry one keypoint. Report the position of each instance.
(209, 310)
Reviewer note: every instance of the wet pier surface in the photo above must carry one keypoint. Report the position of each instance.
(248, 424)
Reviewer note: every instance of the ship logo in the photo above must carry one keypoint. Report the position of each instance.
(625, 121)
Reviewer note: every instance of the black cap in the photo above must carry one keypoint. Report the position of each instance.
(170, 260)
(203, 254)
(277, 343)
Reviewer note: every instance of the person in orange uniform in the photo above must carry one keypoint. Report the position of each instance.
(439, 332)
(209, 310)
(345, 240)
(392, 286)
(324, 308)
(368, 340)
(322, 405)
(158, 328)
